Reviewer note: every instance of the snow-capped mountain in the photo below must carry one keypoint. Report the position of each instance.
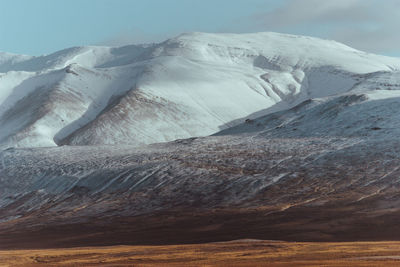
(304, 147)
(192, 85)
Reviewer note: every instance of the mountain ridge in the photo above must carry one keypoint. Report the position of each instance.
(195, 84)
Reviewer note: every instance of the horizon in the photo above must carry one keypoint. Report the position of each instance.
(363, 25)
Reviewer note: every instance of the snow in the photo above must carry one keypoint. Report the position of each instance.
(10, 81)
(212, 172)
(369, 110)
(195, 84)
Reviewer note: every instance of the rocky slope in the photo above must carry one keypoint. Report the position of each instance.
(206, 189)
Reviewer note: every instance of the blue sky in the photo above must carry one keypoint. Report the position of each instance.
(38, 27)
(42, 26)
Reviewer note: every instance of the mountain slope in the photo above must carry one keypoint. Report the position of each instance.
(201, 190)
(313, 153)
(369, 110)
(192, 85)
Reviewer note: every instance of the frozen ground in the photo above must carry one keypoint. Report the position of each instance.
(198, 190)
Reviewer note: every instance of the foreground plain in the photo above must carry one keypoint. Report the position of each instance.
(235, 253)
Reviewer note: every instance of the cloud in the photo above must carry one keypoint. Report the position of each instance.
(370, 25)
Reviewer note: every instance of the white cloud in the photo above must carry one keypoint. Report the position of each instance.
(369, 25)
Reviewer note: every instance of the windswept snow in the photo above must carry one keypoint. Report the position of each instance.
(369, 110)
(193, 85)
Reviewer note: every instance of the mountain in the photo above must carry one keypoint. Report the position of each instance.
(304, 143)
(368, 110)
(193, 85)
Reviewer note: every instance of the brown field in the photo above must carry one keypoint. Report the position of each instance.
(236, 253)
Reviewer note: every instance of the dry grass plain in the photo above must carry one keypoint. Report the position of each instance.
(235, 253)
